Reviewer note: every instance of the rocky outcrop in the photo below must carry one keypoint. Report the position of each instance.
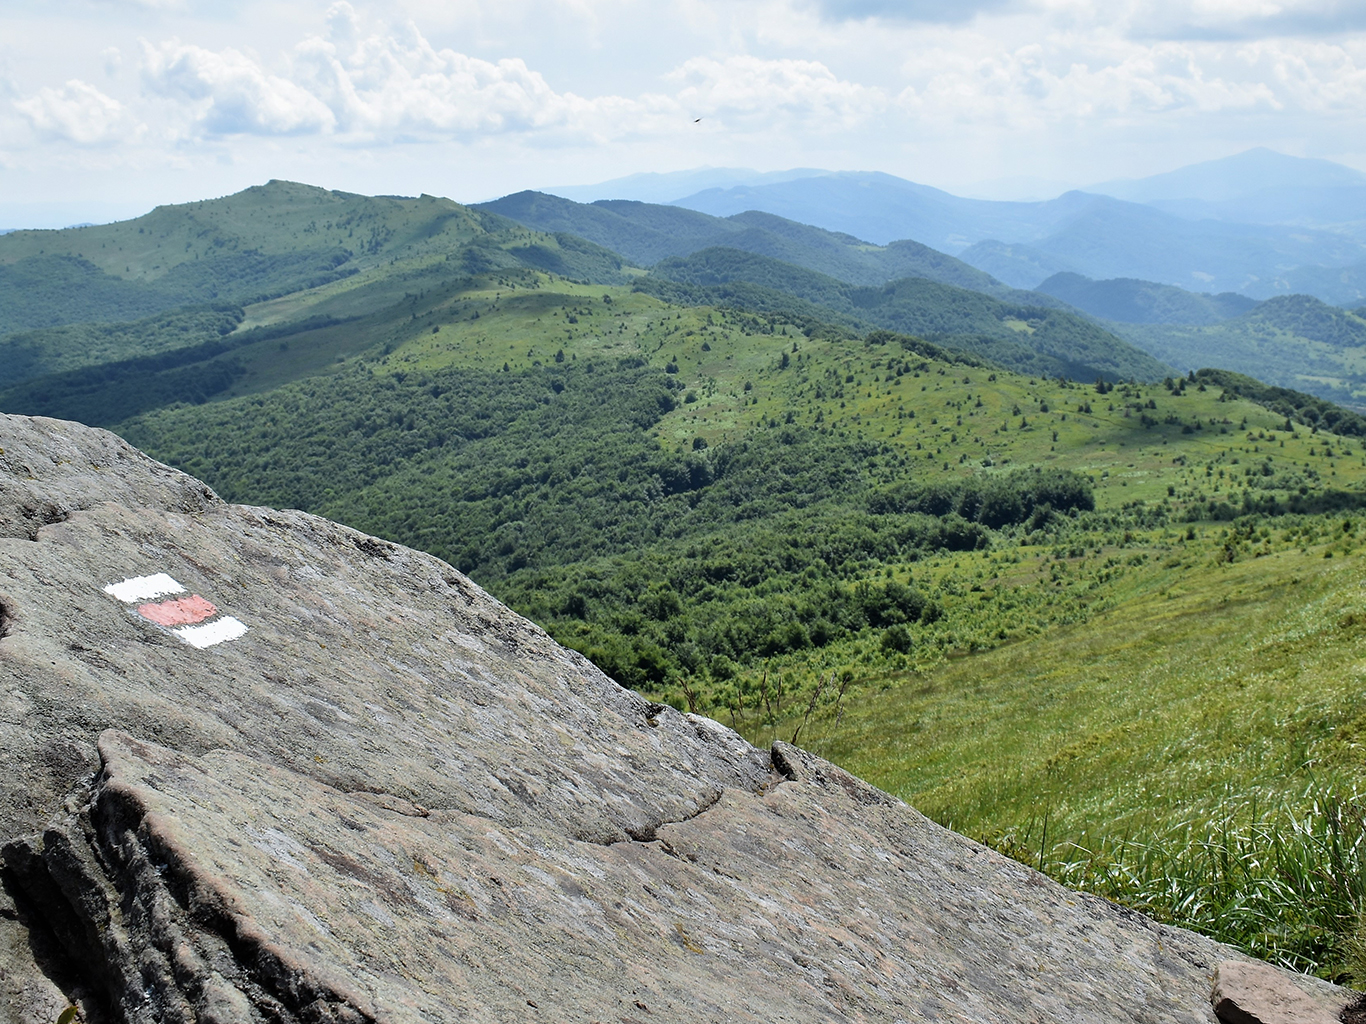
(261, 767)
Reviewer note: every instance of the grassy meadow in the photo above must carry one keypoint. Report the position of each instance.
(1115, 630)
(1102, 694)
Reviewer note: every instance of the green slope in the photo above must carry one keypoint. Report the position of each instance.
(1295, 406)
(576, 471)
(58, 349)
(273, 219)
(1144, 302)
(1004, 596)
(269, 348)
(267, 241)
(47, 290)
(1025, 338)
(1294, 341)
(646, 233)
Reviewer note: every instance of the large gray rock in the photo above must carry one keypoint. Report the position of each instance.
(380, 795)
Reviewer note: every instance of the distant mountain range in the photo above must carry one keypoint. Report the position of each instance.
(1259, 223)
(1144, 302)
(665, 187)
(1259, 186)
(645, 233)
(1069, 325)
(165, 297)
(764, 262)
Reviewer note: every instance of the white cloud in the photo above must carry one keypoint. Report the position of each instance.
(395, 85)
(77, 112)
(231, 94)
(906, 10)
(1245, 19)
(750, 89)
(1086, 89)
(1127, 82)
(1322, 79)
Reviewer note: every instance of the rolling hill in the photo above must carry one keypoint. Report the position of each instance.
(646, 233)
(1294, 341)
(267, 241)
(883, 546)
(1144, 302)
(1023, 337)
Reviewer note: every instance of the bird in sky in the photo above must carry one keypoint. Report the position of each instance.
(697, 120)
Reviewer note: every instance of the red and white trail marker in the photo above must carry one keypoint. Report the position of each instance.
(190, 618)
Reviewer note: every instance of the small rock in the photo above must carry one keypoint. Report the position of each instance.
(1250, 993)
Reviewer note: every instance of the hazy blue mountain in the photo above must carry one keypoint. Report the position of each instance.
(656, 187)
(1249, 173)
(1113, 239)
(1095, 235)
(881, 208)
(1341, 286)
(1256, 187)
(1017, 264)
(646, 233)
(1129, 300)
(1131, 240)
(1339, 208)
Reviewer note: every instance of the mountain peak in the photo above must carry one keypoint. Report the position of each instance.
(1232, 177)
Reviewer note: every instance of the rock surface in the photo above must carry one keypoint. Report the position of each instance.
(1259, 994)
(381, 796)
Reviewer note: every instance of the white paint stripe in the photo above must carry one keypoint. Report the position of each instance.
(215, 632)
(144, 588)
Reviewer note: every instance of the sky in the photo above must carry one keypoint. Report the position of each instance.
(109, 107)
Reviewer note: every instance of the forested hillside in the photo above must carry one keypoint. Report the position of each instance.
(268, 241)
(646, 233)
(1024, 337)
(29, 354)
(1144, 302)
(1294, 341)
(798, 505)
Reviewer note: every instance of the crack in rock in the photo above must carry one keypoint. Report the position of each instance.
(153, 941)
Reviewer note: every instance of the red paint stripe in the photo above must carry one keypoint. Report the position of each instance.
(184, 612)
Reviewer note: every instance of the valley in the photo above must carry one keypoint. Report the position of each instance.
(978, 548)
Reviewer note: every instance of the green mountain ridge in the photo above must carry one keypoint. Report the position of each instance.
(647, 233)
(1007, 597)
(1025, 338)
(1293, 341)
(265, 242)
(1129, 300)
